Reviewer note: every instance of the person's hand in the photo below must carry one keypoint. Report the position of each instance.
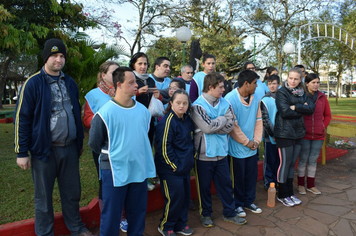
(250, 144)
(156, 93)
(255, 145)
(143, 89)
(174, 170)
(292, 107)
(23, 162)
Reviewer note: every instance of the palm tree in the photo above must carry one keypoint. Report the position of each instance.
(84, 59)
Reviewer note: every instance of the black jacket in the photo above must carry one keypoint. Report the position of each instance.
(144, 98)
(289, 123)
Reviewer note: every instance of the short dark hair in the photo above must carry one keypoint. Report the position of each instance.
(272, 78)
(119, 75)
(135, 57)
(206, 56)
(212, 79)
(159, 61)
(180, 83)
(246, 75)
(248, 63)
(269, 70)
(300, 66)
(178, 91)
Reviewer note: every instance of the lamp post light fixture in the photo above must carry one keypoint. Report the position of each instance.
(183, 34)
(289, 49)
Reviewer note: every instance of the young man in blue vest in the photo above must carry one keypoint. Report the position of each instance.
(160, 75)
(269, 111)
(244, 141)
(127, 162)
(213, 117)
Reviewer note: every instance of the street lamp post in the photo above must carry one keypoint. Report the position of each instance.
(289, 49)
(183, 34)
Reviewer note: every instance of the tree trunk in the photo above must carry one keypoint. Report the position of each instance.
(3, 75)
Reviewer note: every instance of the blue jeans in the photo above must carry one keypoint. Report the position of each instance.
(63, 164)
(309, 155)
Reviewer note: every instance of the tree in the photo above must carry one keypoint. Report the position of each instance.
(212, 23)
(83, 61)
(275, 20)
(24, 25)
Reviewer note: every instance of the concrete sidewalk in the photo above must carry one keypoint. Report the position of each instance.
(331, 213)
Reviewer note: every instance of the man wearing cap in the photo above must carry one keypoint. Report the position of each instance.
(48, 124)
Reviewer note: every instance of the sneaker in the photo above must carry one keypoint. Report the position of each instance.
(150, 186)
(235, 219)
(253, 208)
(314, 190)
(207, 221)
(124, 225)
(167, 233)
(185, 231)
(301, 189)
(286, 201)
(240, 212)
(295, 200)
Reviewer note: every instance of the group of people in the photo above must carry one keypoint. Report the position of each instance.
(205, 128)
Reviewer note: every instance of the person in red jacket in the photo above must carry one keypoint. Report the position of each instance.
(312, 142)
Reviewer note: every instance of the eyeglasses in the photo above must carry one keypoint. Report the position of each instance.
(189, 72)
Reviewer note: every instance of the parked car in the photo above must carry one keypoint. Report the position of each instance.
(353, 94)
(343, 95)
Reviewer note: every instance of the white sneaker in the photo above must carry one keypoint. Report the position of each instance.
(240, 212)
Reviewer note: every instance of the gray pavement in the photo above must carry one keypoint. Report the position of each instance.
(331, 213)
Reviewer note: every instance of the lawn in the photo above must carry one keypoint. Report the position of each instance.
(346, 106)
(16, 196)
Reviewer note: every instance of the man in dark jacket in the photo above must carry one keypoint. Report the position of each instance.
(48, 125)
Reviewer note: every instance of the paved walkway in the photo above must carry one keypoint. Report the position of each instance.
(331, 213)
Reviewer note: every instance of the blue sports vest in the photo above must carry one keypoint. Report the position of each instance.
(216, 144)
(96, 99)
(161, 85)
(261, 90)
(130, 152)
(199, 80)
(246, 119)
(270, 104)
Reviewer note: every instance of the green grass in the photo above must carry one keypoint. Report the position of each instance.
(16, 195)
(346, 106)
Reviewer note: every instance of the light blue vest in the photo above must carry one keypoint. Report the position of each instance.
(162, 85)
(215, 144)
(187, 88)
(246, 119)
(130, 152)
(96, 99)
(199, 80)
(270, 104)
(261, 90)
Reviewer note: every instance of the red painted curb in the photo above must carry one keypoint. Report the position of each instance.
(91, 213)
(6, 120)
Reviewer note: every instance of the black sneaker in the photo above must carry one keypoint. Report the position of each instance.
(253, 208)
(167, 233)
(185, 231)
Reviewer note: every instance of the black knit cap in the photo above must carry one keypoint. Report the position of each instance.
(53, 46)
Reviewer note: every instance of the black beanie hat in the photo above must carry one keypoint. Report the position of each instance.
(53, 46)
